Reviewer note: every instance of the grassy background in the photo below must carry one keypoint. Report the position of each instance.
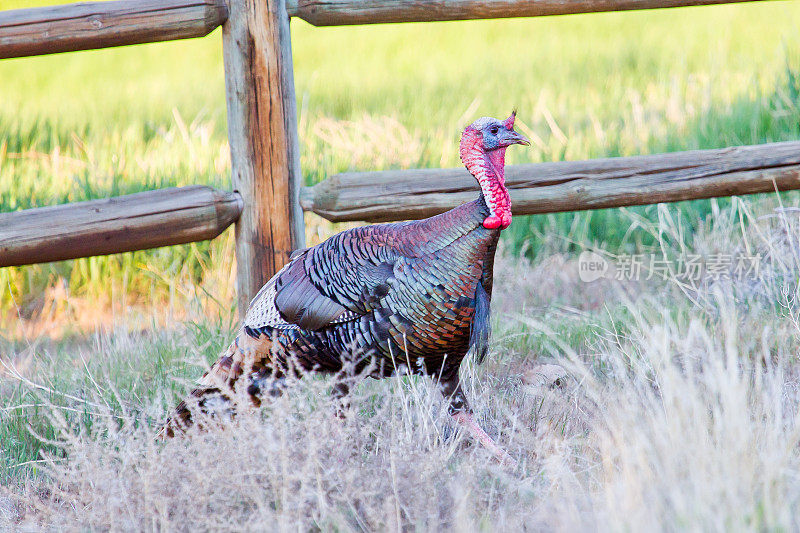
(98, 123)
(93, 124)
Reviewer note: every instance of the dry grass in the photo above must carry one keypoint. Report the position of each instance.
(679, 411)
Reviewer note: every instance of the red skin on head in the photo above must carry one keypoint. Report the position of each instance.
(489, 169)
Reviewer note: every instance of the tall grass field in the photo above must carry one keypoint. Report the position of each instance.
(631, 402)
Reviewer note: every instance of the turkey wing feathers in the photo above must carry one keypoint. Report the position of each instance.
(340, 279)
(300, 302)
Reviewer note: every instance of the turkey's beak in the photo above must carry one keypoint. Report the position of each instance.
(512, 137)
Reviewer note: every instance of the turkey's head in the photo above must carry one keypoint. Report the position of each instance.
(483, 151)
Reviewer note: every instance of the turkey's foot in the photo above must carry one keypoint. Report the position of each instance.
(467, 421)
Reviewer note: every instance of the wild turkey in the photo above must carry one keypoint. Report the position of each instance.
(409, 296)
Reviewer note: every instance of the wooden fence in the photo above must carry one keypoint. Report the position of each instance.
(267, 198)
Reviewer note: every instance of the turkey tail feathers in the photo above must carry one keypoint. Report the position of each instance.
(481, 326)
(217, 390)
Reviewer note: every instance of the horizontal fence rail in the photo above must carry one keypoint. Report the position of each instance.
(341, 12)
(562, 186)
(122, 224)
(84, 26)
(90, 25)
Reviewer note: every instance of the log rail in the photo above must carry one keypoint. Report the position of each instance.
(84, 26)
(342, 12)
(562, 186)
(90, 25)
(123, 224)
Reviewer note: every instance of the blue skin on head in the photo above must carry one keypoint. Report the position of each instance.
(490, 129)
(491, 132)
(496, 135)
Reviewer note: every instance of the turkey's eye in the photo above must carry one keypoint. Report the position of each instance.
(494, 130)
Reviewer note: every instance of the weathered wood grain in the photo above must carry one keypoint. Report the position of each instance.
(262, 132)
(563, 186)
(84, 26)
(122, 224)
(340, 12)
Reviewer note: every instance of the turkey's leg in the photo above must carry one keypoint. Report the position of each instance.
(462, 414)
(467, 421)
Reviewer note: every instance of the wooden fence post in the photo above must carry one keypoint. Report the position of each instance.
(262, 131)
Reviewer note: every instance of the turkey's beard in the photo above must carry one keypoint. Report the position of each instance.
(489, 169)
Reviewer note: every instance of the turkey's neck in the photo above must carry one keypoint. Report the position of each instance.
(489, 169)
(481, 220)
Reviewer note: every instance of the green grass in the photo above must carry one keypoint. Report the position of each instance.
(116, 372)
(98, 123)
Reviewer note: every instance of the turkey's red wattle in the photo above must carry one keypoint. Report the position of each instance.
(489, 169)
